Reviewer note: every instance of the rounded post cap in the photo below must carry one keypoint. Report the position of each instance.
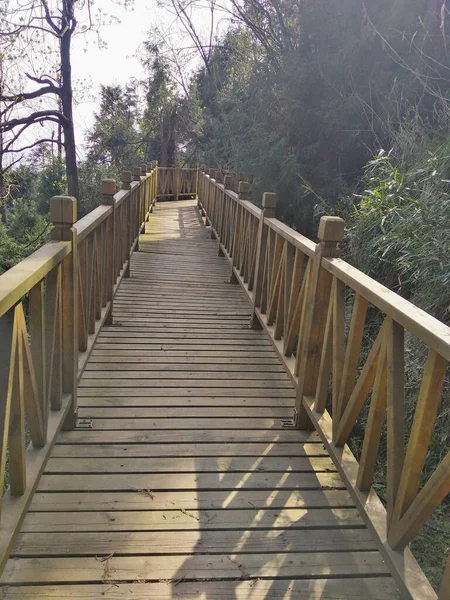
(269, 200)
(109, 187)
(63, 210)
(227, 181)
(218, 176)
(143, 169)
(136, 173)
(331, 229)
(244, 187)
(127, 176)
(149, 166)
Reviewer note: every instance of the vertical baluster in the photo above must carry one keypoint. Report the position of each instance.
(269, 202)
(126, 178)
(395, 341)
(137, 179)
(83, 302)
(38, 345)
(17, 471)
(419, 440)
(109, 188)
(151, 181)
(229, 221)
(244, 193)
(145, 195)
(197, 181)
(53, 323)
(137, 193)
(8, 354)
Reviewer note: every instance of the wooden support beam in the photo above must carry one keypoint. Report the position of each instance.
(63, 214)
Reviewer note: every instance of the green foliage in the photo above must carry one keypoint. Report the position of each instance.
(91, 175)
(24, 232)
(50, 182)
(114, 138)
(400, 232)
(301, 95)
(159, 122)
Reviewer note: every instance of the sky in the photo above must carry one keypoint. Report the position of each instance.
(117, 63)
(112, 61)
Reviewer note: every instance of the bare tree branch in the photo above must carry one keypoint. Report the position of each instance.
(36, 117)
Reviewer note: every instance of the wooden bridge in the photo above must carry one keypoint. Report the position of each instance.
(186, 380)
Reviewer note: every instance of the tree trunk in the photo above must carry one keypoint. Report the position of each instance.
(67, 109)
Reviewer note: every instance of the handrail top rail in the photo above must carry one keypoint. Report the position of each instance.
(122, 195)
(298, 240)
(252, 208)
(424, 326)
(89, 222)
(176, 168)
(18, 280)
(233, 195)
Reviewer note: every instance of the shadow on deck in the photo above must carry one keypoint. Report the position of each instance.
(187, 486)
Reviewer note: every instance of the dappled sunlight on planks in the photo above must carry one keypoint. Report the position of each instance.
(187, 485)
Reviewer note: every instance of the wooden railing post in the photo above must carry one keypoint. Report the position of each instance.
(221, 220)
(197, 182)
(109, 188)
(130, 213)
(243, 194)
(269, 203)
(216, 204)
(331, 230)
(145, 195)
(201, 193)
(176, 181)
(205, 196)
(227, 220)
(155, 166)
(63, 214)
(151, 187)
(137, 216)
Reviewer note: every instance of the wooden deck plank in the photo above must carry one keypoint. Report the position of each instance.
(139, 543)
(199, 423)
(181, 359)
(186, 412)
(230, 464)
(196, 566)
(190, 481)
(187, 485)
(317, 589)
(183, 403)
(92, 377)
(187, 391)
(183, 519)
(177, 367)
(182, 436)
(140, 500)
(239, 450)
(170, 382)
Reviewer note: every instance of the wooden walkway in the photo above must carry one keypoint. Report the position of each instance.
(186, 486)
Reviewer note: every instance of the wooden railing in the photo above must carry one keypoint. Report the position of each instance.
(304, 295)
(177, 183)
(52, 305)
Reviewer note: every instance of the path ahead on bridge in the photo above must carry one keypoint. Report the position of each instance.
(186, 486)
